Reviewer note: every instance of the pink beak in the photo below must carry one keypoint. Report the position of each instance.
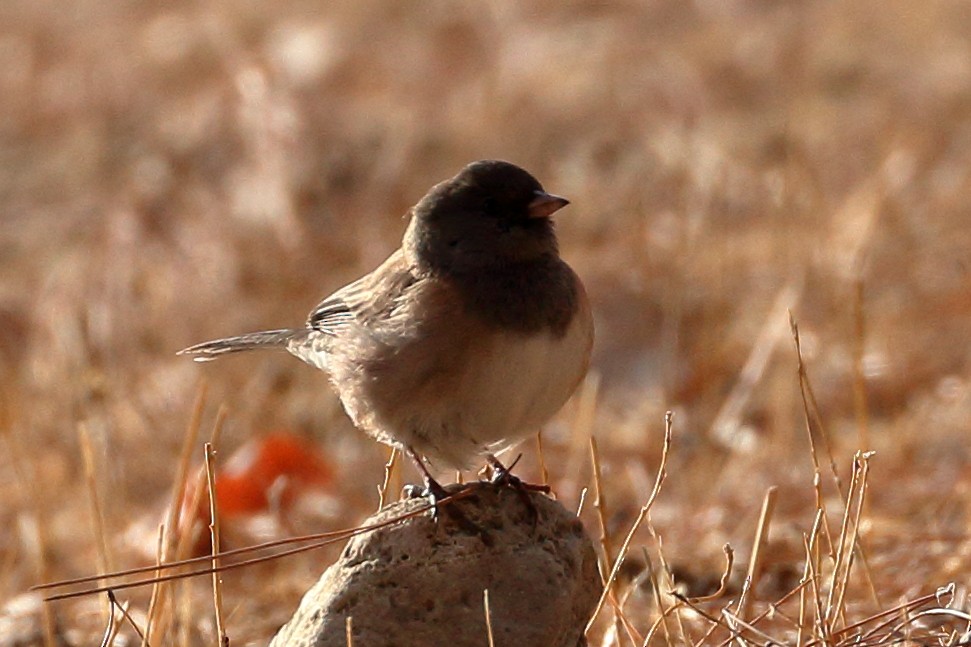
(545, 205)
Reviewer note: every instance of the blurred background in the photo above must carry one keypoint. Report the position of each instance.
(176, 172)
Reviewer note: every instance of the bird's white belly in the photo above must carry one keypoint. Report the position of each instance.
(506, 391)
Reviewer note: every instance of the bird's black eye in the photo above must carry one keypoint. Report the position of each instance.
(453, 243)
(489, 205)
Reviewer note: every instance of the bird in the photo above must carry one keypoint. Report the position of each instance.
(466, 340)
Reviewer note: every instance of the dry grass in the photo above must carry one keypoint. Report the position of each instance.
(172, 174)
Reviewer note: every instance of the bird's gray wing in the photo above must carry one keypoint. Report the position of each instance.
(367, 301)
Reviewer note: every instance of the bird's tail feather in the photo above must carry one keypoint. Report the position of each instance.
(210, 350)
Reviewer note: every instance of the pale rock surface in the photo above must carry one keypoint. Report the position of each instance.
(420, 583)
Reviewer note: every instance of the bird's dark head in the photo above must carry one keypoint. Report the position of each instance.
(491, 213)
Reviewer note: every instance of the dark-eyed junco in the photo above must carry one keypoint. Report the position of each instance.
(466, 339)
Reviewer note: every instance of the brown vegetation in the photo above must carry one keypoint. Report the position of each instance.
(180, 171)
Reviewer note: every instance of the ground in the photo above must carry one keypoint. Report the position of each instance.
(175, 172)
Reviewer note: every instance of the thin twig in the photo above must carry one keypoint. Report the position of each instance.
(717, 622)
(386, 483)
(217, 595)
(110, 628)
(813, 452)
(642, 515)
(863, 460)
(153, 600)
(723, 583)
(632, 633)
(952, 613)
(714, 624)
(662, 619)
(600, 505)
(773, 608)
(488, 617)
(726, 421)
(319, 540)
(182, 470)
(814, 420)
(659, 600)
(733, 619)
(859, 377)
(812, 558)
(841, 548)
(889, 613)
(758, 548)
(810, 543)
(746, 585)
(173, 517)
(97, 515)
(124, 612)
(544, 473)
(669, 581)
(25, 473)
(94, 501)
(583, 500)
(586, 409)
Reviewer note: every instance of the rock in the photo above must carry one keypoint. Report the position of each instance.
(420, 582)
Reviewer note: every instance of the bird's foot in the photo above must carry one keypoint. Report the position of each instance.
(503, 476)
(432, 491)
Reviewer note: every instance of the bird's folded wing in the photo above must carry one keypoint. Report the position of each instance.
(367, 300)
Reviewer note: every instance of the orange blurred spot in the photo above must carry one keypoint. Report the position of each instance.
(264, 475)
(271, 471)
